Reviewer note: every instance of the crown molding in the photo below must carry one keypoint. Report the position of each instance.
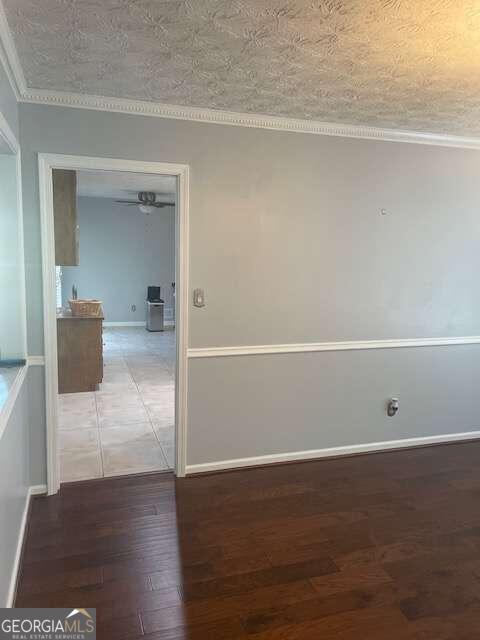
(9, 58)
(213, 116)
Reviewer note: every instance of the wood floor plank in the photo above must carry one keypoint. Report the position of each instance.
(236, 606)
(378, 546)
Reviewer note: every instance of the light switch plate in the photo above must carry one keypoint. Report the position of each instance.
(198, 298)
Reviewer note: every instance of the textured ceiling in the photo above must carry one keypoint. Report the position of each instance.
(405, 64)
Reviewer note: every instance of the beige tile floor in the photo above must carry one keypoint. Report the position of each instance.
(127, 426)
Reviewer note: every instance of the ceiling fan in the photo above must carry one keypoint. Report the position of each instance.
(146, 202)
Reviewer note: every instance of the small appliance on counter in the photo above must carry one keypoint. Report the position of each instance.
(154, 310)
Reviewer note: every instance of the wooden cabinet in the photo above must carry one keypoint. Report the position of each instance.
(65, 217)
(80, 353)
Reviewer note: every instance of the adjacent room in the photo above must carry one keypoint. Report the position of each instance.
(115, 274)
(239, 319)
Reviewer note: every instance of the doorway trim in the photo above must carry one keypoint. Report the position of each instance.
(47, 162)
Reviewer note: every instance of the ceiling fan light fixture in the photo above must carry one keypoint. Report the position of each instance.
(146, 200)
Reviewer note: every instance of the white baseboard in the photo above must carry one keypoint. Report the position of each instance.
(167, 323)
(38, 490)
(331, 452)
(124, 324)
(32, 491)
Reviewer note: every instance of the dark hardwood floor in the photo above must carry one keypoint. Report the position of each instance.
(383, 546)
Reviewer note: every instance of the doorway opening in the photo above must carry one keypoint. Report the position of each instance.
(115, 266)
(115, 274)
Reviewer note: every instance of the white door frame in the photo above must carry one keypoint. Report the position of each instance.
(47, 162)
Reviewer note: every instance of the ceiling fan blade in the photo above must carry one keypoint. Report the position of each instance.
(128, 202)
(160, 205)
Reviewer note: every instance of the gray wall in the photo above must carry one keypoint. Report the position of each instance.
(15, 441)
(37, 421)
(22, 465)
(122, 251)
(14, 483)
(8, 102)
(12, 313)
(11, 325)
(307, 401)
(287, 239)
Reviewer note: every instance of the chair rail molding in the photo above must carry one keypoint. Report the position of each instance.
(309, 347)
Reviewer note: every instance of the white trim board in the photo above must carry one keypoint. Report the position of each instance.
(239, 119)
(47, 162)
(32, 491)
(310, 347)
(331, 452)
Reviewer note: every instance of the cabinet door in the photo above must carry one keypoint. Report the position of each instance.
(65, 217)
(80, 358)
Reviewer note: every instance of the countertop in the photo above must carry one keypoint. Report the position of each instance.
(66, 314)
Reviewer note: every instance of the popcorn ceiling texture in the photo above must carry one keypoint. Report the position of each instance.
(403, 64)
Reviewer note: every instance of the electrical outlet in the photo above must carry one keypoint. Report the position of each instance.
(134, 307)
(392, 407)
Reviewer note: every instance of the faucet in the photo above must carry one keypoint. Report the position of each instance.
(74, 292)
